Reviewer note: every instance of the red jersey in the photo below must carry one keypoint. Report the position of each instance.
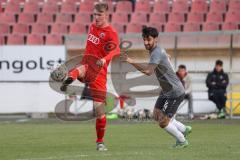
(99, 41)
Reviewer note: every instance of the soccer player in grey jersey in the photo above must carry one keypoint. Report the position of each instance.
(172, 93)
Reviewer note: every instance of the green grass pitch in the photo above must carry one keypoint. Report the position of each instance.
(57, 140)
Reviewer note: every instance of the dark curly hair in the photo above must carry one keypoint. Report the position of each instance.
(149, 31)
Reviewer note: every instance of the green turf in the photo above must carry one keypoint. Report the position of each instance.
(210, 140)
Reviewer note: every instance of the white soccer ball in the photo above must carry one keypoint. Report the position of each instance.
(59, 74)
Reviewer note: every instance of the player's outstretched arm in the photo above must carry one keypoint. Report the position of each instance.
(146, 69)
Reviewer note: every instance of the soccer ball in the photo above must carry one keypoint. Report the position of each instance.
(59, 74)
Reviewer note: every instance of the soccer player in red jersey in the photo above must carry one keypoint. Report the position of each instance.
(102, 46)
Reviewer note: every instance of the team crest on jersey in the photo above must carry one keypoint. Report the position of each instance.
(102, 35)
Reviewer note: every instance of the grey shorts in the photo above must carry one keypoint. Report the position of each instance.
(169, 106)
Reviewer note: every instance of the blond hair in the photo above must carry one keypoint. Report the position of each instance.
(101, 7)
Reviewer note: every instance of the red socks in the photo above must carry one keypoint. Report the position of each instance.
(100, 128)
(74, 73)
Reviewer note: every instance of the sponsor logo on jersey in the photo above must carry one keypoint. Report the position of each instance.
(93, 39)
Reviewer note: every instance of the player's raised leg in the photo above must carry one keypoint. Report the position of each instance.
(73, 74)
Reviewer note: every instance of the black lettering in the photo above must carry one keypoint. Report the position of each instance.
(50, 64)
(41, 63)
(6, 62)
(60, 61)
(18, 66)
(31, 67)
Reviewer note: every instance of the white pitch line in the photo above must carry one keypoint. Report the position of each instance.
(85, 155)
(55, 157)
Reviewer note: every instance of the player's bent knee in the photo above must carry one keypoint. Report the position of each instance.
(99, 115)
(164, 122)
(82, 70)
(99, 108)
(156, 114)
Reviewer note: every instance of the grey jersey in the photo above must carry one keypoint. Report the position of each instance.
(168, 80)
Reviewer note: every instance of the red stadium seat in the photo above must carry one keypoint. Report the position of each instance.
(26, 18)
(20, 28)
(234, 5)
(83, 18)
(59, 28)
(73, 1)
(4, 29)
(218, 6)
(124, 6)
(36, 1)
(210, 26)
(138, 17)
(134, 28)
(180, 6)
(143, 6)
(54, 1)
(64, 18)
(172, 27)
(86, 6)
(229, 26)
(120, 17)
(45, 18)
(2, 40)
(12, 7)
(31, 7)
(119, 27)
(110, 7)
(15, 39)
(69, 8)
(35, 39)
(39, 28)
(8, 18)
(195, 17)
(50, 8)
(53, 39)
(191, 27)
(3, 1)
(233, 16)
(90, 1)
(200, 6)
(161, 6)
(158, 26)
(157, 18)
(176, 17)
(78, 28)
(16, 1)
(215, 17)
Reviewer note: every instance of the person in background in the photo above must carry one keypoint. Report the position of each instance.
(217, 82)
(187, 83)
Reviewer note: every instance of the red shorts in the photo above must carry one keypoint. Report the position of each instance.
(95, 77)
(98, 89)
(97, 84)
